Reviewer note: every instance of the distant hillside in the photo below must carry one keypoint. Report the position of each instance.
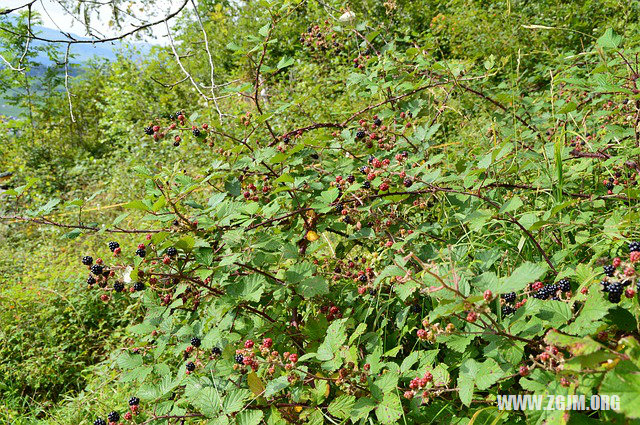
(84, 52)
(80, 53)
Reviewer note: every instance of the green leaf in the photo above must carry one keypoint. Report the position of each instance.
(234, 400)
(511, 205)
(488, 374)
(129, 361)
(137, 205)
(249, 417)
(313, 286)
(390, 410)
(609, 40)
(624, 381)
(341, 406)
(523, 275)
(361, 408)
(276, 385)
(285, 62)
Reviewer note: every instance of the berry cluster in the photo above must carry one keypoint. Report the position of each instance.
(620, 275)
(429, 332)
(332, 312)
(417, 384)
(320, 37)
(551, 291)
(113, 417)
(176, 127)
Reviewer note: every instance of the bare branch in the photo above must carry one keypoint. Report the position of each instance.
(93, 40)
(66, 81)
(211, 67)
(186, 73)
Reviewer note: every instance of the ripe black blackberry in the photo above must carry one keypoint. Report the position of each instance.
(351, 178)
(113, 246)
(362, 278)
(634, 246)
(87, 260)
(239, 359)
(97, 269)
(191, 366)
(91, 280)
(347, 219)
(172, 251)
(604, 286)
(614, 297)
(118, 286)
(609, 186)
(541, 294)
(407, 183)
(196, 132)
(141, 252)
(564, 285)
(509, 297)
(113, 416)
(216, 351)
(555, 298)
(134, 401)
(339, 207)
(138, 286)
(609, 270)
(99, 421)
(360, 134)
(195, 341)
(363, 169)
(615, 288)
(286, 140)
(176, 143)
(377, 122)
(507, 310)
(148, 131)
(367, 184)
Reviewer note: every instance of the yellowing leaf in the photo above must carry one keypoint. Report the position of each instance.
(312, 236)
(255, 384)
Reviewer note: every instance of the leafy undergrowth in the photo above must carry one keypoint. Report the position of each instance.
(402, 241)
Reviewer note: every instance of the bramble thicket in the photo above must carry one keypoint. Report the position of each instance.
(322, 212)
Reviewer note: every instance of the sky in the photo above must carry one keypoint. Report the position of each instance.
(54, 16)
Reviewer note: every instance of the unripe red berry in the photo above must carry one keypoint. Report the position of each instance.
(488, 295)
(293, 358)
(248, 343)
(523, 371)
(472, 316)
